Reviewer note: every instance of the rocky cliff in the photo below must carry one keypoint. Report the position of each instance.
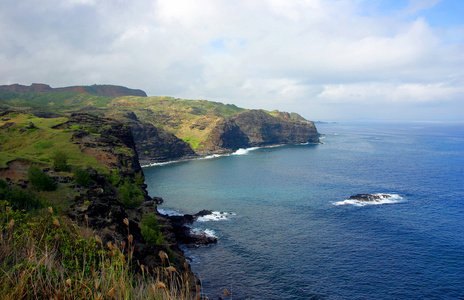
(165, 128)
(263, 129)
(114, 200)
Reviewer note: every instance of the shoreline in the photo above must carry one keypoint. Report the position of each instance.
(240, 151)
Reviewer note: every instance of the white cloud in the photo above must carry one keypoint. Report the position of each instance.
(266, 53)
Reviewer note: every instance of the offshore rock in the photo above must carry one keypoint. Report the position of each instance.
(184, 233)
(369, 197)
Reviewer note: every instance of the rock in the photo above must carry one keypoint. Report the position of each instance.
(184, 233)
(369, 197)
(264, 129)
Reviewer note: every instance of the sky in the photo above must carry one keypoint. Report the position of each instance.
(329, 60)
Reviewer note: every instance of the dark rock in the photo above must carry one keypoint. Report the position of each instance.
(184, 233)
(263, 129)
(369, 197)
(156, 145)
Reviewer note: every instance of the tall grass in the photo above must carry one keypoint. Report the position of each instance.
(46, 258)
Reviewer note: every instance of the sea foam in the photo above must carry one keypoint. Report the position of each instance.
(206, 232)
(169, 212)
(384, 199)
(216, 216)
(244, 151)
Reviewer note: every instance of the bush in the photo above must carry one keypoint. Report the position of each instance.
(40, 180)
(114, 178)
(82, 176)
(151, 230)
(60, 160)
(139, 179)
(18, 198)
(131, 195)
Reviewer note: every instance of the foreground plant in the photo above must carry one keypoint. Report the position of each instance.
(45, 257)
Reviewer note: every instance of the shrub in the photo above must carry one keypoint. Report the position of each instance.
(139, 179)
(131, 195)
(60, 160)
(39, 180)
(18, 198)
(82, 176)
(114, 178)
(151, 230)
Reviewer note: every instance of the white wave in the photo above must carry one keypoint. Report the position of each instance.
(244, 151)
(216, 216)
(182, 160)
(160, 164)
(384, 199)
(169, 212)
(211, 156)
(206, 232)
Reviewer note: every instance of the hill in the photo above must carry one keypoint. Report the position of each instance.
(74, 209)
(167, 128)
(99, 90)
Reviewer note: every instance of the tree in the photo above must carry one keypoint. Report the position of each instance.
(60, 160)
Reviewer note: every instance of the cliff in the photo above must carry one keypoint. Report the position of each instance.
(165, 128)
(112, 202)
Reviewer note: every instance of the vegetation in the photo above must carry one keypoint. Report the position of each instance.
(40, 145)
(130, 194)
(60, 160)
(151, 230)
(39, 180)
(82, 176)
(47, 258)
(18, 198)
(43, 255)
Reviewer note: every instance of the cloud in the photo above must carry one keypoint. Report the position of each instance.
(289, 55)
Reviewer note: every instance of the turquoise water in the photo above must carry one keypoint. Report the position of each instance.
(287, 238)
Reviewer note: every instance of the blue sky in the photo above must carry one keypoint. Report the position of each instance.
(327, 60)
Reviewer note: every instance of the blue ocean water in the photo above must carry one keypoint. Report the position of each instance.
(287, 238)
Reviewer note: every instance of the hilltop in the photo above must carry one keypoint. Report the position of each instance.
(99, 90)
(167, 128)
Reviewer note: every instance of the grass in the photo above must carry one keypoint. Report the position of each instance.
(46, 257)
(39, 145)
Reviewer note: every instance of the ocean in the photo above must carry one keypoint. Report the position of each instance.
(286, 229)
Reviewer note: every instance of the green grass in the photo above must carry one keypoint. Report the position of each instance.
(40, 145)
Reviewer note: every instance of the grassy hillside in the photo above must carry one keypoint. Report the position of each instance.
(200, 123)
(67, 230)
(190, 120)
(24, 136)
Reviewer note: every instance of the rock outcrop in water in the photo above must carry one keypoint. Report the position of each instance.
(369, 197)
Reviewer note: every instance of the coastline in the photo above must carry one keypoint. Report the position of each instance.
(240, 151)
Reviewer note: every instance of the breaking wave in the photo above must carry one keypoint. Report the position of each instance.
(216, 216)
(244, 151)
(205, 232)
(383, 199)
(169, 212)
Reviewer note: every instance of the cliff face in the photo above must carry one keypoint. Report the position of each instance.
(100, 90)
(165, 128)
(109, 141)
(154, 144)
(263, 129)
